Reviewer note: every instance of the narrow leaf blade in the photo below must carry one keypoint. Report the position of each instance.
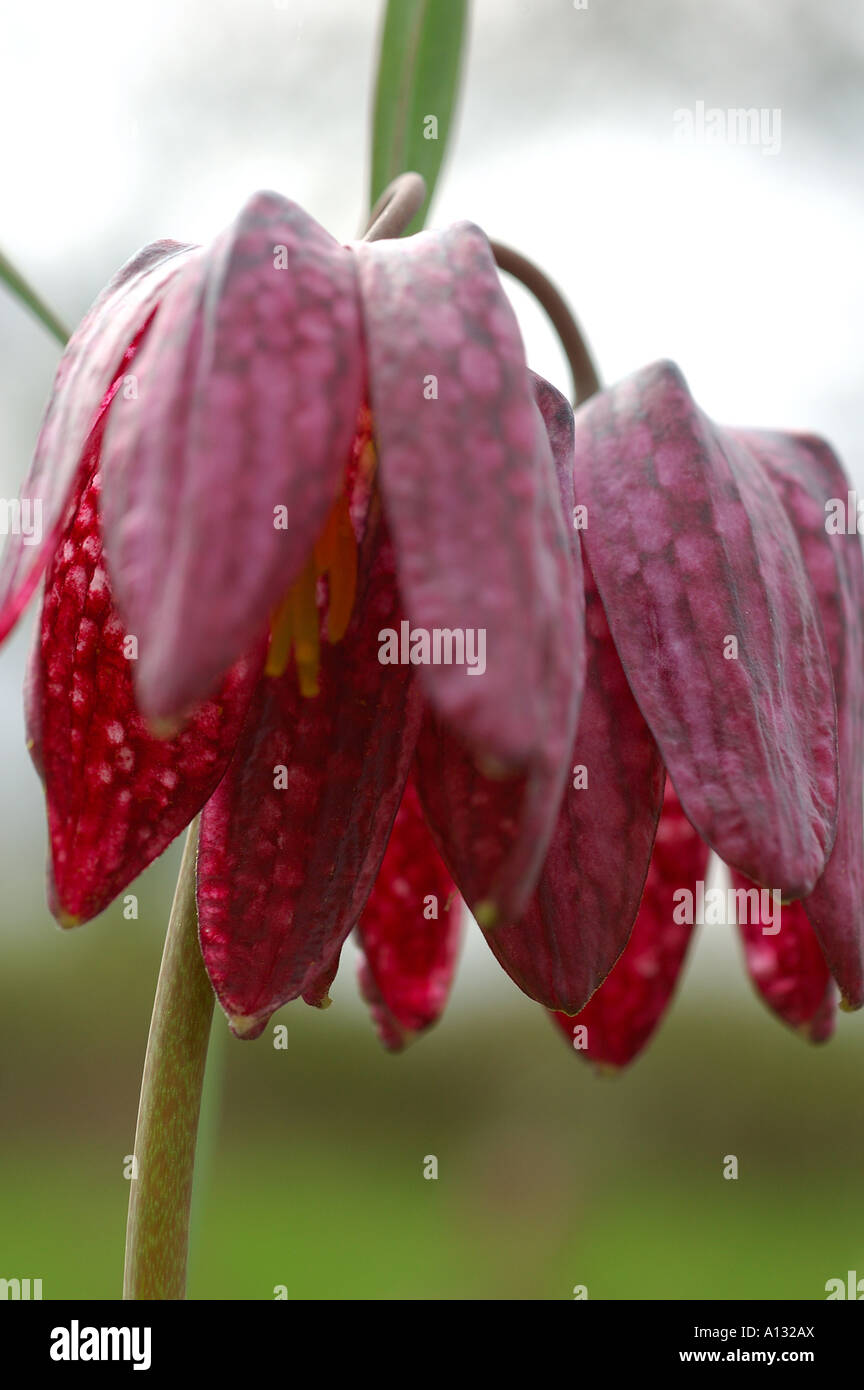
(19, 287)
(418, 77)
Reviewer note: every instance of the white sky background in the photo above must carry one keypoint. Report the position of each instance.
(121, 124)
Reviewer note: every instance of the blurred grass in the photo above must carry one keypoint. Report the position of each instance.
(327, 1227)
(548, 1176)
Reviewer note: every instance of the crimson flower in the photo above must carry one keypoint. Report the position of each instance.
(277, 475)
(258, 460)
(725, 645)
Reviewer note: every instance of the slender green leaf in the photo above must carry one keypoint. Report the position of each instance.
(419, 65)
(17, 285)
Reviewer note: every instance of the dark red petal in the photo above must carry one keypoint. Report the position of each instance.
(466, 477)
(628, 1007)
(116, 796)
(493, 830)
(690, 547)
(250, 386)
(284, 873)
(808, 475)
(580, 917)
(410, 931)
(787, 966)
(87, 369)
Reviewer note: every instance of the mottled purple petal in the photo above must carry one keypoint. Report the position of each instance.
(249, 391)
(622, 1017)
(410, 932)
(493, 830)
(582, 912)
(293, 838)
(88, 367)
(808, 475)
(116, 796)
(464, 474)
(693, 551)
(787, 967)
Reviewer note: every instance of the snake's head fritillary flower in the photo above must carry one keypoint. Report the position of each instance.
(725, 642)
(287, 486)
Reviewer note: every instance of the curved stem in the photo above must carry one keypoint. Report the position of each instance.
(582, 369)
(157, 1231)
(399, 203)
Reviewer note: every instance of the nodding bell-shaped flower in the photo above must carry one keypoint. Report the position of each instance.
(286, 488)
(724, 621)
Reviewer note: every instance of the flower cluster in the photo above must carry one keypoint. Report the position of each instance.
(260, 456)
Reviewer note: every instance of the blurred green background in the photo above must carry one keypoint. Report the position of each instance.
(312, 1157)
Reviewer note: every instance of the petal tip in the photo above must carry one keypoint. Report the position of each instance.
(247, 1027)
(605, 1071)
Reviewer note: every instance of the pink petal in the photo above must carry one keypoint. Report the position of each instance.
(582, 912)
(788, 968)
(807, 475)
(116, 796)
(284, 871)
(88, 367)
(626, 1010)
(691, 547)
(465, 478)
(250, 388)
(492, 829)
(410, 931)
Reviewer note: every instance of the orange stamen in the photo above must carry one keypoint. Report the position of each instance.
(295, 623)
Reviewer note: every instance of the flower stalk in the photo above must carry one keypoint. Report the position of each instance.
(157, 1231)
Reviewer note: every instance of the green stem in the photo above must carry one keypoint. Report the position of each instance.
(15, 282)
(157, 1231)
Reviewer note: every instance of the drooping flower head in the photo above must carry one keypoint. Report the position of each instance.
(259, 459)
(289, 487)
(735, 611)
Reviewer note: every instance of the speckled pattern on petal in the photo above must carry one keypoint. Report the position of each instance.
(690, 547)
(788, 968)
(249, 389)
(807, 475)
(410, 931)
(493, 831)
(116, 796)
(465, 477)
(87, 369)
(628, 1007)
(582, 912)
(284, 871)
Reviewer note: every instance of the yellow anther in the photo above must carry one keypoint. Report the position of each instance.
(336, 556)
(295, 624)
(294, 631)
(280, 638)
(367, 462)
